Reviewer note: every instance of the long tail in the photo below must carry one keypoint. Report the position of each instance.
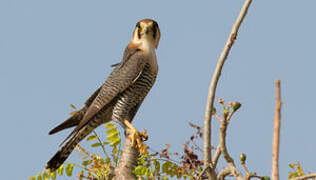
(70, 122)
(62, 154)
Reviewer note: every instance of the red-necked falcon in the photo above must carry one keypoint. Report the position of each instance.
(121, 95)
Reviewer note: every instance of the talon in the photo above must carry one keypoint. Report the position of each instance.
(143, 135)
(133, 135)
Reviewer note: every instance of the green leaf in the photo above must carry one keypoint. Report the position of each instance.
(81, 173)
(39, 177)
(69, 169)
(115, 141)
(86, 163)
(214, 110)
(157, 166)
(141, 160)
(92, 137)
(147, 172)
(60, 170)
(107, 160)
(166, 166)
(96, 144)
(32, 178)
(291, 166)
(266, 178)
(52, 175)
(114, 150)
(226, 111)
(113, 137)
(110, 126)
(140, 170)
(112, 132)
(73, 112)
(73, 106)
(236, 106)
(45, 176)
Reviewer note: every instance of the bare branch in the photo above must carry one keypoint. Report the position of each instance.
(200, 176)
(212, 88)
(313, 175)
(216, 156)
(222, 141)
(226, 171)
(229, 171)
(276, 133)
(222, 144)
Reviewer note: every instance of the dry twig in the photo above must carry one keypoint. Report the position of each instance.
(276, 133)
(313, 175)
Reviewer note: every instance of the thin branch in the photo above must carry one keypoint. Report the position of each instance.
(102, 145)
(199, 177)
(252, 176)
(222, 141)
(276, 133)
(313, 175)
(212, 88)
(226, 171)
(230, 171)
(245, 169)
(216, 156)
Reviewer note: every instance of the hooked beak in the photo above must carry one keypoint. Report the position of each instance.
(144, 30)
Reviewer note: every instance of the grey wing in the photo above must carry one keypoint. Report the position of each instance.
(121, 78)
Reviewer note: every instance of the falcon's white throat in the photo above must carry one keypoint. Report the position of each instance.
(145, 42)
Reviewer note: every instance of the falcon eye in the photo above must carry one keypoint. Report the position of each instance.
(155, 28)
(138, 25)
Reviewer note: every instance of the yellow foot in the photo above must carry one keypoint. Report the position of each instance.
(135, 137)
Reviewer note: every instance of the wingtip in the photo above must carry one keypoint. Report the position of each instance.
(53, 131)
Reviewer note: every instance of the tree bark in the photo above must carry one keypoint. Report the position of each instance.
(127, 163)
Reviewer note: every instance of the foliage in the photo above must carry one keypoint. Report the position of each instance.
(151, 164)
(296, 170)
(157, 165)
(92, 165)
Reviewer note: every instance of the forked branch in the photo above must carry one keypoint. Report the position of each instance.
(212, 89)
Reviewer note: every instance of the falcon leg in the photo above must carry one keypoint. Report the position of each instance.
(134, 136)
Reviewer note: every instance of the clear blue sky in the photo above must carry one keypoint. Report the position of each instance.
(54, 53)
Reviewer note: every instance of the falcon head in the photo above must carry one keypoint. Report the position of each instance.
(146, 32)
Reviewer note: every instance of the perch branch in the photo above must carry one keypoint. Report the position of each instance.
(128, 162)
(276, 133)
(212, 88)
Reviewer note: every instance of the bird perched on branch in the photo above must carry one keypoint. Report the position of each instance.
(121, 95)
